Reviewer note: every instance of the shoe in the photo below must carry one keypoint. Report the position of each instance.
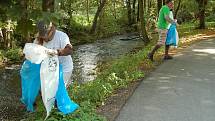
(168, 57)
(150, 57)
(22, 107)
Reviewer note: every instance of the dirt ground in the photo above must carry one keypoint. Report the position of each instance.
(114, 103)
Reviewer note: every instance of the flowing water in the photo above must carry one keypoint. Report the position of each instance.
(85, 57)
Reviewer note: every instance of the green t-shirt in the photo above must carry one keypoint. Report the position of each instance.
(162, 23)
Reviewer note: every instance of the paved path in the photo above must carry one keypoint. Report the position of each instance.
(182, 89)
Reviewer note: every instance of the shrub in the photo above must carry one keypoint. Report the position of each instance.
(14, 55)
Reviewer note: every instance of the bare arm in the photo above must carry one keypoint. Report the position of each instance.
(66, 51)
(169, 19)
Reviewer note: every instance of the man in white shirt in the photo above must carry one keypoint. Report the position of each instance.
(59, 42)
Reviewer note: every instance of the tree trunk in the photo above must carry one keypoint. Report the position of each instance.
(114, 5)
(202, 18)
(133, 11)
(149, 4)
(142, 22)
(9, 38)
(202, 4)
(144, 4)
(4, 33)
(99, 10)
(48, 5)
(177, 9)
(1, 37)
(128, 4)
(24, 19)
(159, 5)
(164, 2)
(87, 4)
(138, 12)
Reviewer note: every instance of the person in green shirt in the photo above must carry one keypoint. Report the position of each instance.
(163, 22)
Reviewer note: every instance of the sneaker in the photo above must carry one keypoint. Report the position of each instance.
(150, 57)
(168, 57)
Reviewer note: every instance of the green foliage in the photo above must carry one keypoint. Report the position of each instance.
(110, 24)
(186, 4)
(82, 19)
(14, 55)
(95, 92)
(86, 113)
(187, 13)
(71, 15)
(185, 16)
(77, 32)
(25, 27)
(211, 18)
(107, 26)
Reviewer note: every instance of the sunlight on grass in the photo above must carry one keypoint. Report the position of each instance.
(196, 37)
(188, 33)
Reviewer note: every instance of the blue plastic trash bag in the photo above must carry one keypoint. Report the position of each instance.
(172, 36)
(30, 76)
(64, 103)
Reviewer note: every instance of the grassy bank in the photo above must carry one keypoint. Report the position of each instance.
(119, 73)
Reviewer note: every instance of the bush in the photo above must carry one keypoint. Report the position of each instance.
(185, 16)
(211, 18)
(14, 55)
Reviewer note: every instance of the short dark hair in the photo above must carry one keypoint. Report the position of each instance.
(168, 1)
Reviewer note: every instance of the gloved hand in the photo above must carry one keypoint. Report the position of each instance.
(51, 52)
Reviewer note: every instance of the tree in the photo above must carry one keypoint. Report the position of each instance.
(5, 23)
(87, 10)
(133, 11)
(201, 6)
(159, 5)
(164, 2)
(142, 22)
(177, 9)
(24, 19)
(128, 4)
(48, 5)
(95, 20)
(114, 8)
(138, 12)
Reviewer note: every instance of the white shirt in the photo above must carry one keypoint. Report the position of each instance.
(171, 16)
(59, 41)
